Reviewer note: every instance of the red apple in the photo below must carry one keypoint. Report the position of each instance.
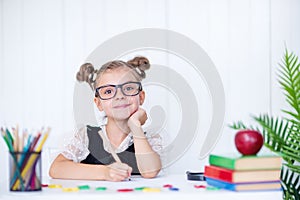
(248, 142)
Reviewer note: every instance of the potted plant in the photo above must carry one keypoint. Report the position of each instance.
(282, 134)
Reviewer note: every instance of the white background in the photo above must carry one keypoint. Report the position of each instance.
(43, 43)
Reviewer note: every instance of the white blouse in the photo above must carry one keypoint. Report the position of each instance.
(77, 148)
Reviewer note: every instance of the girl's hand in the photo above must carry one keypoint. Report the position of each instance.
(137, 119)
(118, 172)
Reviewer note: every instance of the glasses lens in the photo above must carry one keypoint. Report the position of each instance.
(128, 89)
(131, 89)
(107, 92)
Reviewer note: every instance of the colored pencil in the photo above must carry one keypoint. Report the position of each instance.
(112, 151)
(32, 159)
(25, 152)
(108, 144)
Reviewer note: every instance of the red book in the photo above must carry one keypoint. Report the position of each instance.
(234, 176)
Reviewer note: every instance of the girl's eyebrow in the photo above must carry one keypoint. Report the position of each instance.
(114, 85)
(107, 85)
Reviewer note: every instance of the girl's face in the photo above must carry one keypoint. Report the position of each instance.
(120, 107)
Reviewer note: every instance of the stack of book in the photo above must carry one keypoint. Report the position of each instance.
(244, 173)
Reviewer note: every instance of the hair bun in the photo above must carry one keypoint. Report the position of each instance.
(141, 64)
(86, 74)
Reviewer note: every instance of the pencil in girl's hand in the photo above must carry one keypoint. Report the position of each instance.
(112, 151)
(108, 144)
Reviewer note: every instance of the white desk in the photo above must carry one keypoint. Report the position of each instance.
(186, 190)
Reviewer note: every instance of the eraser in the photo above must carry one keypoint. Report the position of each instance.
(195, 176)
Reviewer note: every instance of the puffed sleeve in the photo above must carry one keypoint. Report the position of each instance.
(76, 148)
(155, 142)
(156, 139)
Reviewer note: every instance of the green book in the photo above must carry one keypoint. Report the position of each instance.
(235, 162)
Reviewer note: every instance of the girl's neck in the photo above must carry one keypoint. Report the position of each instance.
(117, 131)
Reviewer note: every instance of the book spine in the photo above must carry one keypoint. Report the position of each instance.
(222, 161)
(220, 184)
(218, 173)
(254, 186)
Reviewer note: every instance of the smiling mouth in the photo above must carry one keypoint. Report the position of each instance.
(121, 106)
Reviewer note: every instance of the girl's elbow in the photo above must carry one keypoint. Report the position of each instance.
(152, 174)
(56, 169)
(53, 171)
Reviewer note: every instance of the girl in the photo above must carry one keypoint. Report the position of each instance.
(119, 148)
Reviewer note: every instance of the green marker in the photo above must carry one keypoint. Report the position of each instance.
(83, 187)
(100, 188)
(139, 188)
(212, 188)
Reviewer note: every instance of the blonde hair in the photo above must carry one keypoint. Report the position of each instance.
(87, 72)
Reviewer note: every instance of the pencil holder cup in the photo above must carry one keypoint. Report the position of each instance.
(25, 171)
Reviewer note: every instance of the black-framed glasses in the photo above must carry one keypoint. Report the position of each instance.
(106, 92)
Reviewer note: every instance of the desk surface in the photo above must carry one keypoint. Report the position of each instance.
(186, 189)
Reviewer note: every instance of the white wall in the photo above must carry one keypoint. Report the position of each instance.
(43, 43)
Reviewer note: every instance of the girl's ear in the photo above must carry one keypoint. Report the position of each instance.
(98, 103)
(142, 97)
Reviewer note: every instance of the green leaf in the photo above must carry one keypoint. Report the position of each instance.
(282, 135)
(293, 167)
(290, 155)
(289, 181)
(294, 115)
(275, 131)
(289, 80)
(239, 125)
